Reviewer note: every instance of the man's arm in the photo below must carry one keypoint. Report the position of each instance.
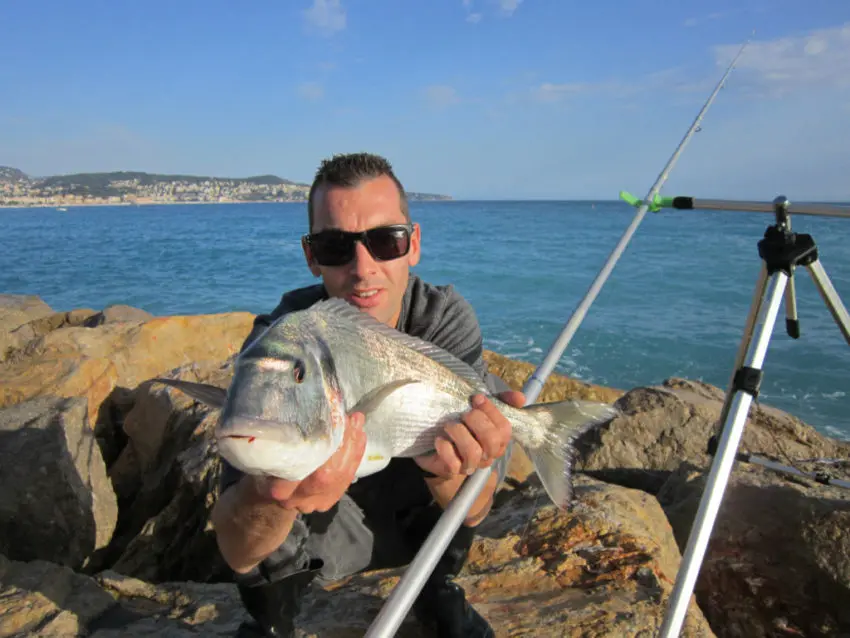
(249, 525)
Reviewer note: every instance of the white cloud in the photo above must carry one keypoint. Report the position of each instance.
(818, 59)
(815, 60)
(551, 92)
(440, 96)
(312, 91)
(670, 80)
(327, 16)
(502, 7)
(508, 7)
(717, 15)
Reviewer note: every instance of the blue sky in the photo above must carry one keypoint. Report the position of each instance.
(475, 98)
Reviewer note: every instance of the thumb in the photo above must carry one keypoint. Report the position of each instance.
(356, 420)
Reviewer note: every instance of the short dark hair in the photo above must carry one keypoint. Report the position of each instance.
(350, 169)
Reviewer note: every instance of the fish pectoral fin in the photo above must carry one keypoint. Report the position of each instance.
(372, 400)
(210, 395)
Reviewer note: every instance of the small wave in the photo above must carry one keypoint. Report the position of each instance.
(837, 433)
(838, 394)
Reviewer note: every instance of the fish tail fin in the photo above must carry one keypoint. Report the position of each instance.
(554, 457)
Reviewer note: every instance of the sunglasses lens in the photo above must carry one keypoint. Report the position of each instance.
(388, 243)
(336, 248)
(332, 249)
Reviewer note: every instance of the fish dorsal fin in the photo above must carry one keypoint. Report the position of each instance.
(341, 309)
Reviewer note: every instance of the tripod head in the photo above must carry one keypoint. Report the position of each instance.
(780, 209)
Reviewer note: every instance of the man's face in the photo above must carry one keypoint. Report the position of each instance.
(374, 286)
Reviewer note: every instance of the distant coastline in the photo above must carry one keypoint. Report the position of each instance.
(18, 190)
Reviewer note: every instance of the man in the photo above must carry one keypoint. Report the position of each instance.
(279, 536)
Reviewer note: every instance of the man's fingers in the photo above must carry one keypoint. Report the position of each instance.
(487, 433)
(355, 446)
(468, 448)
(448, 454)
(356, 420)
(513, 398)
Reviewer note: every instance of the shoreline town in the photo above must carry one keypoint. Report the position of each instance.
(18, 190)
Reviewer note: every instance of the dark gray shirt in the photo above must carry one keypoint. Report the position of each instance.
(437, 314)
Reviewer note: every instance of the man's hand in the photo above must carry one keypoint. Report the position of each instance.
(481, 437)
(322, 489)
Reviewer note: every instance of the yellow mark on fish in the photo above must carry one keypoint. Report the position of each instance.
(375, 457)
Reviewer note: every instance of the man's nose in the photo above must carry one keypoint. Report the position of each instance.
(363, 262)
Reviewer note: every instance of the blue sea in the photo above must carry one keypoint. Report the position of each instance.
(675, 304)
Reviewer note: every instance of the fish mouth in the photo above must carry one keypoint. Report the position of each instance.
(241, 428)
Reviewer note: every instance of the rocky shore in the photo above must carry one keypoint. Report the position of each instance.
(107, 481)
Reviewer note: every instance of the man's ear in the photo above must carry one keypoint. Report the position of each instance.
(308, 256)
(415, 246)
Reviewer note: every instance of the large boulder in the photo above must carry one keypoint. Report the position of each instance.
(167, 480)
(15, 311)
(602, 569)
(778, 561)
(93, 362)
(56, 501)
(662, 426)
(43, 599)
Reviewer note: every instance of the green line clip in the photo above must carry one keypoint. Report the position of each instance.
(657, 204)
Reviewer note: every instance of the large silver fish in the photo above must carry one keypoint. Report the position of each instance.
(284, 412)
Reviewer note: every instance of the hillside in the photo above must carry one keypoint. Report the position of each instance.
(136, 187)
(104, 180)
(9, 175)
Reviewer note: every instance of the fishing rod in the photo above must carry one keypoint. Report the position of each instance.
(819, 476)
(404, 594)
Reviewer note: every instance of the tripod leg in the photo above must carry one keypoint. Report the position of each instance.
(744, 386)
(792, 324)
(755, 308)
(830, 296)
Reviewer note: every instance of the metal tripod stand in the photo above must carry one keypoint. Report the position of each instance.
(781, 252)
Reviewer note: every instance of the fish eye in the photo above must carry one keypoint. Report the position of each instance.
(298, 371)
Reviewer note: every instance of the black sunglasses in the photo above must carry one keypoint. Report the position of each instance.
(337, 247)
